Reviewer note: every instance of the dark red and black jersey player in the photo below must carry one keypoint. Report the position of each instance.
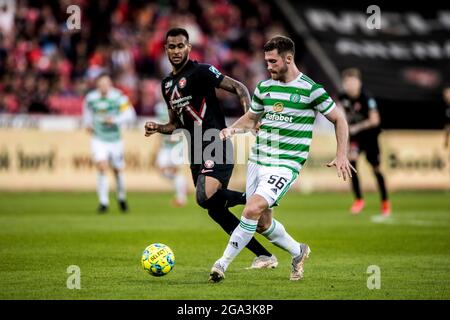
(189, 92)
(364, 126)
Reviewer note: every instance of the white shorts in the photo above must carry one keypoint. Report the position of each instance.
(271, 183)
(169, 157)
(108, 151)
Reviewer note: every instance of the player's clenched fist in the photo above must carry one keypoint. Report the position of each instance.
(226, 133)
(151, 128)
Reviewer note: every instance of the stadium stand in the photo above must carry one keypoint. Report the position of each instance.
(46, 68)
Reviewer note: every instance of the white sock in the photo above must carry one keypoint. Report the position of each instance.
(278, 236)
(240, 237)
(121, 194)
(102, 189)
(180, 187)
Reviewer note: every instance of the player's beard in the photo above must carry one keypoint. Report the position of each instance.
(178, 65)
(279, 75)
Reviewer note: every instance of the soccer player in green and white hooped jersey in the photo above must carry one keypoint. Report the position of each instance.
(105, 110)
(286, 105)
(170, 158)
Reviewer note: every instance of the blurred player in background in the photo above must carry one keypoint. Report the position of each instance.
(287, 105)
(105, 110)
(446, 96)
(190, 94)
(169, 158)
(364, 126)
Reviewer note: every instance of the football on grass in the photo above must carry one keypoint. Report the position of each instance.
(158, 259)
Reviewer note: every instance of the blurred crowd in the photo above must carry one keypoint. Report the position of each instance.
(47, 68)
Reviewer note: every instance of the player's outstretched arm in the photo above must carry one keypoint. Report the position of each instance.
(236, 87)
(341, 162)
(248, 121)
(153, 127)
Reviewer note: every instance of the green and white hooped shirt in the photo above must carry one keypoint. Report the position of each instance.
(288, 114)
(98, 108)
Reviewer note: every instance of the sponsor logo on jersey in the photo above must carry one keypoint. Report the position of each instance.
(102, 105)
(209, 164)
(278, 107)
(274, 190)
(178, 102)
(168, 84)
(215, 71)
(278, 117)
(182, 83)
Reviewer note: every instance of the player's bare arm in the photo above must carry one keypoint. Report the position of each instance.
(249, 121)
(236, 87)
(341, 162)
(153, 127)
(372, 122)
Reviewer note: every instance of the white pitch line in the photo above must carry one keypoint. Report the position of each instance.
(413, 222)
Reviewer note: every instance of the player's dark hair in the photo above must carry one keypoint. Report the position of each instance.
(103, 74)
(281, 43)
(351, 72)
(177, 32)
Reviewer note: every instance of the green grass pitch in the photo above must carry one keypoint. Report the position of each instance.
(41, 234)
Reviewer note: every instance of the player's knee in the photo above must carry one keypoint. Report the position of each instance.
(102, 167)
(206, 196)
(168, 174)
(252, 211)
(376, 169)
(202, 199)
